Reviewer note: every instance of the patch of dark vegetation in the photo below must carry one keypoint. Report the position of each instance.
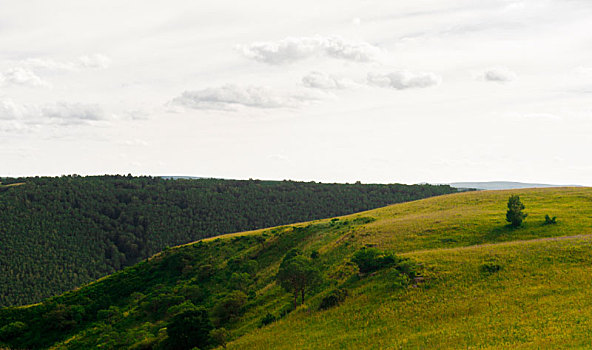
(371, 260)
(334, 298)
(550, 220)
(267, 319)
(490, 268)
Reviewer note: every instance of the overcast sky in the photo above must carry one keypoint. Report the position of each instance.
(335, 91)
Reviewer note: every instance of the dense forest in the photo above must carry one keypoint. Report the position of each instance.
(57, 233)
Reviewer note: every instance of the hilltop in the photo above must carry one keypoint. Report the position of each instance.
(502, 185)
(478, 283)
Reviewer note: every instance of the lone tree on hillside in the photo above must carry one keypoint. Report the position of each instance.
(297, 274)
(515, 213)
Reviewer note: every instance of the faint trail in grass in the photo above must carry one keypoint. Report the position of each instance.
(519, 242)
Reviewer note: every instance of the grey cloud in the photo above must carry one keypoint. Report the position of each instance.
(297, 48)
(319, 80)
(73, 111)
(228, 97)
(401, 80)
(54, 113)
(498, 74)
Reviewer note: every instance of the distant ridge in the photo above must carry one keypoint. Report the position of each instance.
(503, 185)
(181, 177)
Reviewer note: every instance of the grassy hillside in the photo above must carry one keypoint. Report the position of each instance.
(59, 233)
(482, 283)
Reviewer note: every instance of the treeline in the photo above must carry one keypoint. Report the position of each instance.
(59, 233)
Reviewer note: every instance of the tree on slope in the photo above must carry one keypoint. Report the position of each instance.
(297, 274)
(515, 214)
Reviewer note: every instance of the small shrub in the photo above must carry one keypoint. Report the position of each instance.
(268, 319)
(490, 267)
(334, 298)
(408, 268)
(550, 220)
(398, 280)
(372, 259)
(220, 336)
(314, 254)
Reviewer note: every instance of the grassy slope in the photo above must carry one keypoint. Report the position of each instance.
(540, 298)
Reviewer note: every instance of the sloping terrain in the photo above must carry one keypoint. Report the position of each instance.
(481, 283)
(59, 233)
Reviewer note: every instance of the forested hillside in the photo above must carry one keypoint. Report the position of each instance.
(445, 272)
(59, 233)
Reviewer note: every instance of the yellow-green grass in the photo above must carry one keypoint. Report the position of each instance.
(12, 185)
(469, 218)
(540, 299)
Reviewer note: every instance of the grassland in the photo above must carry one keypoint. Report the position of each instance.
(537, 295)
(541, 297)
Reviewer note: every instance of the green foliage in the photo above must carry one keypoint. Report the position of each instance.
(60, 233)
(297, 274)
(372, 259)
(12, 330)
(189, 329)
(314, 254)
(220, 337)
(490, 267)
(550, 220)
(515, 214)
(267, 319)
(334, 298)
(230, 307)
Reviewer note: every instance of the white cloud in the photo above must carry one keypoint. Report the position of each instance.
(23, 77)
(401, 80)
(498, 74)
(319, 80)
(298, 48)
(228, 97)
(95, 61)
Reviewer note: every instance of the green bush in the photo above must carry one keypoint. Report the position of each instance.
(550, 220)
(334, 298)
(189, 329)
(269, 318)
(490, 267)
(230, 307)
(372, 259)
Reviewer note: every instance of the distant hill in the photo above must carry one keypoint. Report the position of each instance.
(61, 232)
(476, 283)
(502, 185)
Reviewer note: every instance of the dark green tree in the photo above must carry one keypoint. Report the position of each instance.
(515, 214)
(230, 307)
(220, 336)
(189, 329)
(297, 274)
